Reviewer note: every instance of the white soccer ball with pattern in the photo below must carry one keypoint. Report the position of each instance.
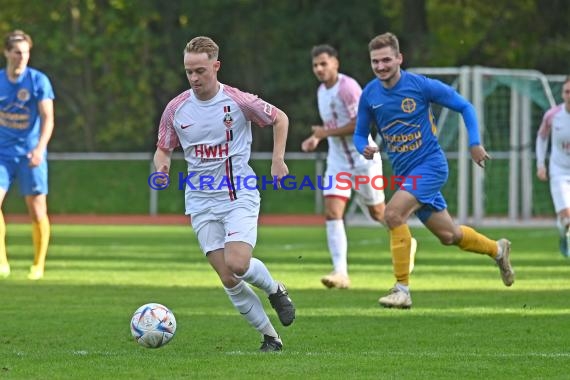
(153, 325)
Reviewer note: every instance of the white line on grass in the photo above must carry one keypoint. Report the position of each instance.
(416, 354)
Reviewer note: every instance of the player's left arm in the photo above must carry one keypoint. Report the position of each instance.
(45, 109)
(264, 114)
(445, 95)
(280, 130)
(542, 138)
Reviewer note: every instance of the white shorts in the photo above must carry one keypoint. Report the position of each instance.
(369, 195)
(560, 191)
(233, 221)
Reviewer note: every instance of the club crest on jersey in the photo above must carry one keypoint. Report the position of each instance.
(228, 121)
(23, 95)
(408, 105)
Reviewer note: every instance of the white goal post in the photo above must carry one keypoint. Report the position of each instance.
(509, 105)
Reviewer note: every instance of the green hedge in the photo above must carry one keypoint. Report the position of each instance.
(121, 187)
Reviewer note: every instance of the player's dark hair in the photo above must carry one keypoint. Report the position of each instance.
(323, 49)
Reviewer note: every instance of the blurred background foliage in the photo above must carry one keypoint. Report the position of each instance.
(115, 64)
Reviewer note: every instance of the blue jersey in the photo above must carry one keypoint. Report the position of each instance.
(19, 116)
(405, 120)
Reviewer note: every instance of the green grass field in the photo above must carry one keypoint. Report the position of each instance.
(74, 324)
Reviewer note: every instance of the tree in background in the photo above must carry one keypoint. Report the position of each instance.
(115, 63)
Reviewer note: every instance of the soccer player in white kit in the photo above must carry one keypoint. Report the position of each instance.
(556, 125)
(337, 97)
(212, 123)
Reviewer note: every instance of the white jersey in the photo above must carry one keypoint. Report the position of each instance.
(556, 122)
(216, 138)
(338, 105)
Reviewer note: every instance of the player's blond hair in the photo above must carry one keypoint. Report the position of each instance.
(203, 44)
(384, 40)
(16, 36)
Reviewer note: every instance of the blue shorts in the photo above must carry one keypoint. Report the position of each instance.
(31, 181)
(424, 182)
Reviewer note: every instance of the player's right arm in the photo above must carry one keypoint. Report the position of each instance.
(320, 133)
(349, 94)
(162, 160)
(310, 143)
(167, 138)
(362, 129)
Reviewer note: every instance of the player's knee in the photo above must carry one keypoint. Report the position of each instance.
(333, 215)
(237, 267)
(379, 217)
(229, 280)
(377, 214)
(334, 211)
(37, 207)
(448, 238)
(393, 218)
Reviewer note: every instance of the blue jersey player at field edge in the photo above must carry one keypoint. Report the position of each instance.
(26, 126)
(399, 104)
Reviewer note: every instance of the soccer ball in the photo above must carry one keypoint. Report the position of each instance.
(153, 325)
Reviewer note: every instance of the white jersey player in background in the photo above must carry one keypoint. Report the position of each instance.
(337, 98)
(212, 123)
(556, 125)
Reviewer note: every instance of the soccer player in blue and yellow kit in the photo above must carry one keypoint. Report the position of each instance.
(398, 103)
(26, 126)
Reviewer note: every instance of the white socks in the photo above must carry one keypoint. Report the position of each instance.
(561, 223)
(270, 330)
(336, 238)
(499, 252)
(258, 275)
(249, 305)
(403, 288)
